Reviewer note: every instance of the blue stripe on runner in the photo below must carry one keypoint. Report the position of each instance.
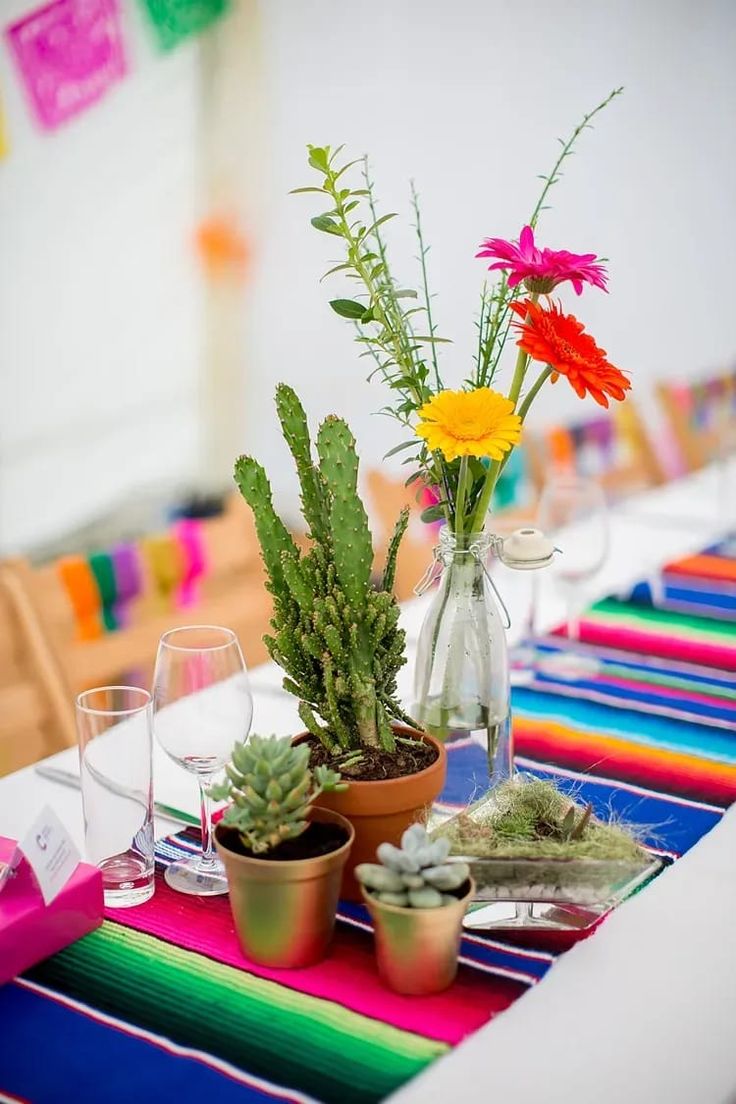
(492, 956)
(722, 713)
(51, 1047)
(467, 773)
(666, 823)
(699, 609)
(709, 600)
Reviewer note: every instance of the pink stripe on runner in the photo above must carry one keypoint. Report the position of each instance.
(652, 662)
(347, 976)
(668, 647)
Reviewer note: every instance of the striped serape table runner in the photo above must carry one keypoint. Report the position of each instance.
(159, 1002)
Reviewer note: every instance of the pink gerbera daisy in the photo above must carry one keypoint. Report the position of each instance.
(542, 269)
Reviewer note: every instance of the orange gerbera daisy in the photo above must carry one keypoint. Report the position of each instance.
(559, 340)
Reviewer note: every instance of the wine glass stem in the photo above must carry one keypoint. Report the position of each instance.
(531, 618)
(573, 620)
(208, 845)
(523, 912)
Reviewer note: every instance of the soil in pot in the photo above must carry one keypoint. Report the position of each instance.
(317, 839)
(377, 765)
(386, 793)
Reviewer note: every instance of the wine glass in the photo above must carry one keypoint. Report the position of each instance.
(202, 706)
(572, 511)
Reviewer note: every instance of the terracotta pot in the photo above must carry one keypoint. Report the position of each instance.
(284, 912)
(417, 949)
(380, 812)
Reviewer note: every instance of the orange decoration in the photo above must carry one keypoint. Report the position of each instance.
(81, 587)
(222, 247)
(561, 449)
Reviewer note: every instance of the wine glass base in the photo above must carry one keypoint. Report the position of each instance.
(569, 666)
(196, 879)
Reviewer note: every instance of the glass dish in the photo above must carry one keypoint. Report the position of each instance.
(567, 894)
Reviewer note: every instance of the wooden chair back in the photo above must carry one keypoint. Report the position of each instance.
(103, 625)
(701, 417)
(387, 497)
(612, 448)
(35, 715)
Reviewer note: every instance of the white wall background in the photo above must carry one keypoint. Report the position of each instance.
(100, 326)
(100, 301)
(467, 98)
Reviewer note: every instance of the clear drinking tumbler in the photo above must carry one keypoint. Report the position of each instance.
(115, 759)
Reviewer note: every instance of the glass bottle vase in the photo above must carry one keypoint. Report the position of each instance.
(462, 676)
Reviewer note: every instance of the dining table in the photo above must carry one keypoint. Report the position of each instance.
(643, 1010)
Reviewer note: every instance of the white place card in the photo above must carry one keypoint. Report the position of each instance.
(49, 849)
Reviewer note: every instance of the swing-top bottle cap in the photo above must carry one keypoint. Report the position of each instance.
(527, 549)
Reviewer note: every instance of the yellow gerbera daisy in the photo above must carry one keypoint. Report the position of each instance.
(470, 423)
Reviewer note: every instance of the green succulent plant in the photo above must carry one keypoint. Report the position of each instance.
(335, 633)
(271, 789)
(416, 874)
(572, 828)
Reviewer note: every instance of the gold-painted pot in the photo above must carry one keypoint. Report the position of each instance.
(417, 949)
(284, 912)
(381, 811)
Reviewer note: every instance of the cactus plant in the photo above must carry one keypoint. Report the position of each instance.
(335, 634)
(416, 874)
(271, 789)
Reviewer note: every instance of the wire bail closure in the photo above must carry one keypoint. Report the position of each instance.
(432, 575)
(525, 550)
(436, 569)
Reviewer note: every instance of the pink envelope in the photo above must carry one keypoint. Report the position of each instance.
(30, 930)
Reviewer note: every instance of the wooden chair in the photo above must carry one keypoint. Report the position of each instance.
(612, 448)
(75, 623)
(35, 718)
(701, 417)
(514, 506)
(388, 496)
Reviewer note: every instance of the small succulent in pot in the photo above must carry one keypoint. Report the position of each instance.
(415, 875)
(272, 790)
(417, 901)
(284, 858)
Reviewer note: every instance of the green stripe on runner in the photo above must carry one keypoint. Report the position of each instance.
(665, 620)
(296, 1040)
(177, 814)
(657, 678)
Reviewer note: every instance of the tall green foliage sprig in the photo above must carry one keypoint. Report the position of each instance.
(384, 313)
